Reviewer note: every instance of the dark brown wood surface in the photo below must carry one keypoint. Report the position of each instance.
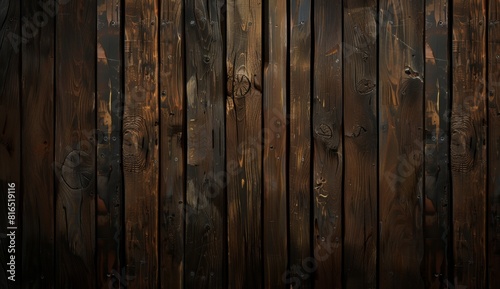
(437, 182)
(75, 145)
(299, 70)
(109, 101)
(205, 243)
(38, 153)
(244, 142)
(360, 144)
(141, 143)
(275, 245)
(401, 124)
(328, 158)
(493, 214)
(172, 145)
(469, 142)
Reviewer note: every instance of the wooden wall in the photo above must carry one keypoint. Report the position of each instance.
(251, 143)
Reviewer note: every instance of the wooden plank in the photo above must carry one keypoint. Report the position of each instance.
(205, 254)
(10, 141)
(172, 144)
(244, 142)
(75, 144)
(38, 151)
(109, 171)
(493, 217)
(328, 150)
(140, 143)
(360, 140)
(275, 256)
(468, 143)
(401, 68)
(300, 260)
(437, 181)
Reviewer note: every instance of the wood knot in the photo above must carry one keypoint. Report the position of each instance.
(77, 170)
(463, 147)
(239, 85)
(135, 143)
(365, 86)
(324, 131)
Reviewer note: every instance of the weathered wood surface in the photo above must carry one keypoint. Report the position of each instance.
(493, 214)
(38, 153)
(109, 232)
(205, 243)
(300, 193)
(141, 143)
(401, 124)
(328, 159)
(10, 134)
(437, 181)
(75, 145)
(244, 142)
(172, 144)
(360, 144)
(275, 245)
(469, 142)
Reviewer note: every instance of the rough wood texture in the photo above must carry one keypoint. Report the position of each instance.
(360, 139)
(469, 142)
(244, 142)
(493, 216)
(75, 145)
(401, 123)
(109, 232)
(38, 153)
(205, 254)
(437, 185)
(140, 143)
(328, 151)
(301, 259)
(275, 150)
(10, 134)
(172, 144)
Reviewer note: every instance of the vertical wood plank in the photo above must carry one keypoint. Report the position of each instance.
(493, 217)
(204, 245)
(109, 133)
(75, 144)
(401, 68)
(299, 173)
(437, 183)
(328, 150)
(360, 140)
(275, 243)
(468, 142)
(244, 142)
(172, 144)
(10, 138)
(140, 143)
(38, 151)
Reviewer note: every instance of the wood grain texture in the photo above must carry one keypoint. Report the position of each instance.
(244, 142)
(469, 142)
(275, 256)
(10, 134)
(493, 214)
(75, 145)
(141, 143)
(299, 71)
(205, 254)
(328, 146)
(360, 140)
(38, 153)
(437, 181)
(401, 123)
(172, 144)
(109, 232)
